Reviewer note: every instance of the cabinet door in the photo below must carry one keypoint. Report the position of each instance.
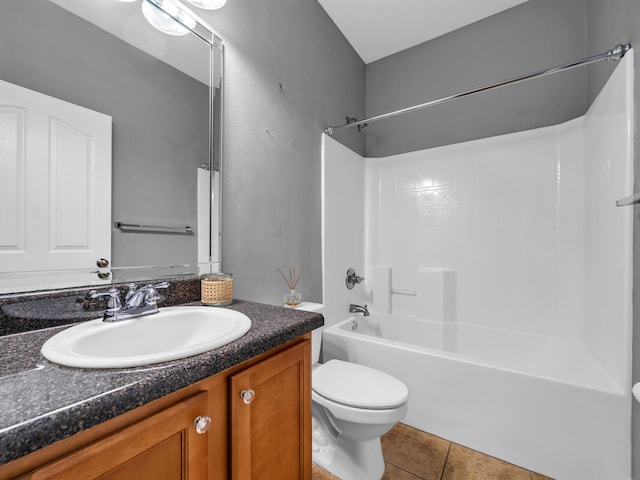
(271, 432)
(164, 446)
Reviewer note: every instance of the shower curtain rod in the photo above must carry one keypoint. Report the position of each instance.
(615, 54)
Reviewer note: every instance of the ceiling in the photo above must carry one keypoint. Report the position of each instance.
(378, 28)
(375, 28)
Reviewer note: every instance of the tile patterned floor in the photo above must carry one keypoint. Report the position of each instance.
(411, 454)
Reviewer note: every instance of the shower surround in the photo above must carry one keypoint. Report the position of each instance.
(515, 236)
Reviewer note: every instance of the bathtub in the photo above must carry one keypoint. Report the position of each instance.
(541, 403)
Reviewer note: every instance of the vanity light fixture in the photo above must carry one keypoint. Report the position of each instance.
(167, 17)
(207, 4)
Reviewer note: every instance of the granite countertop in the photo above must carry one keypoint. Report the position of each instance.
(41, 403)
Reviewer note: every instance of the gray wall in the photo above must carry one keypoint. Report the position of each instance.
(529, 37)
(159, 118)
(611, 22)
(271, 163)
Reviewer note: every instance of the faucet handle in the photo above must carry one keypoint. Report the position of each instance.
(132, 289)
(113, 304)
(152, 296)
(352, 279)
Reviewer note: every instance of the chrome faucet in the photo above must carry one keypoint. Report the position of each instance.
(359, 309)
(138, 301)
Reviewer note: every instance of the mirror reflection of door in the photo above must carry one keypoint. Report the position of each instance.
(55, 183)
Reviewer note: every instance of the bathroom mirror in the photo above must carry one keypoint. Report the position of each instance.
(160, 97)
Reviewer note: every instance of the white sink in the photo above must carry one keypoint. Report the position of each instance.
(173, 333)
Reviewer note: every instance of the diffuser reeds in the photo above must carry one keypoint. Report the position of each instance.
(292, 281)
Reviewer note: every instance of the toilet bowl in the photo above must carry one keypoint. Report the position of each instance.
(352, 407)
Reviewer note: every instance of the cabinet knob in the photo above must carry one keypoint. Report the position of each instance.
(247, 396)
(202, 424)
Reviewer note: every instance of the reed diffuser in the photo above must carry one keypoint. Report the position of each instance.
(293, 298)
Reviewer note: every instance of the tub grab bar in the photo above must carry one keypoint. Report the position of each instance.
(410, 293)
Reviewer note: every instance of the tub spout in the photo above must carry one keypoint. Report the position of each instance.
(359, 309)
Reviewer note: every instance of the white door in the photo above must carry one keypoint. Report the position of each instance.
(55, 183)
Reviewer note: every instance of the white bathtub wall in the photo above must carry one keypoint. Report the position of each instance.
(342, 226)
(608, 230)
(497, 212)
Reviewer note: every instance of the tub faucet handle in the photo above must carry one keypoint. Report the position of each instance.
(352, 278)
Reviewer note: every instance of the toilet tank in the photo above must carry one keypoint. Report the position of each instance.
(316, 335)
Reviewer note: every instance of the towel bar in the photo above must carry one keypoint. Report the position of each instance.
(140, 227)
(630, 200)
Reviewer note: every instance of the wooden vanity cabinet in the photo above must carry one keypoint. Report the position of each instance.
(267, 436)
(270, 412)
(164, 445)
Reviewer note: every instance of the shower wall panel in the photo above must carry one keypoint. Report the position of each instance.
(504, 213)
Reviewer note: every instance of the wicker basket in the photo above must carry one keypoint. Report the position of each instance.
(217, 289)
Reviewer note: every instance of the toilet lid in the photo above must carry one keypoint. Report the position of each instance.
(358, 386)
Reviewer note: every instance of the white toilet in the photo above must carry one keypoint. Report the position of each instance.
(352, 407)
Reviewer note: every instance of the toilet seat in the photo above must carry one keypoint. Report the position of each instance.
(365, 416)
(357, 386)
